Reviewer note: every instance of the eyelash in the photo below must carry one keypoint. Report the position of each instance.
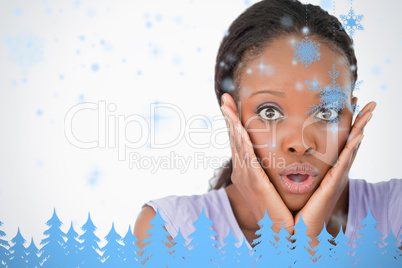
(265, 107)
(338, 111)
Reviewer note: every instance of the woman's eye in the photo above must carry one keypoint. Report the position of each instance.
(327, 114)
(270, 113)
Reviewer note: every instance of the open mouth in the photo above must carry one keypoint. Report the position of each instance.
(297, 177)
(298, 183)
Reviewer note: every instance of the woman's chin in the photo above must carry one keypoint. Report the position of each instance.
(295, 203)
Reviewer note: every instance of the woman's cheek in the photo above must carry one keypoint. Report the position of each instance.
(334, 144)
(343, 136)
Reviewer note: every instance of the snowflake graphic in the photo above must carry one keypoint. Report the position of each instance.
(351, 22)
(334, 96)
(306, 51)
(25, 49)
(94, 176)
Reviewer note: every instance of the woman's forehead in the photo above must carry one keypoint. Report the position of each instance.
(277, 69)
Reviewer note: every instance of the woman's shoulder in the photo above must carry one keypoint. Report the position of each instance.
(383, 199)
(368, 189)
(384, 195)
(181, 211)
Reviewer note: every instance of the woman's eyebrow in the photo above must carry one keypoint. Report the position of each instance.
(267, 91)
(278, 93)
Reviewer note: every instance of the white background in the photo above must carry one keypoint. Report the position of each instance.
(146, 52)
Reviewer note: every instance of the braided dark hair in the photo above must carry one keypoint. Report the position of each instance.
(254, 30)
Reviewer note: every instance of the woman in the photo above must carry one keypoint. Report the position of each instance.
(286, 160)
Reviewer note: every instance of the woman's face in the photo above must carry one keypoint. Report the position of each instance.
(273, 99)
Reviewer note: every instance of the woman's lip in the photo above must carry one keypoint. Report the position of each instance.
(307, 173)
(302, 168)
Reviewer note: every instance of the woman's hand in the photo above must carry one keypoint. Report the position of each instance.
(321, 204)
(249, 177)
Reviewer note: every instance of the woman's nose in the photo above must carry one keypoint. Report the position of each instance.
(297, 140)
(298, 149)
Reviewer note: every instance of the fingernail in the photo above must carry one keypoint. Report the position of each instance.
(369, 118)
(372, 108)
(224, 99)
(223, 110)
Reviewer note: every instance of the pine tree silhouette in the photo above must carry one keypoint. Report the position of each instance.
(264, 245)
(399, 258)
(229, 249)
(179, 251)
(368, 250)
(400, 248)
(129, 250)
(157, 250)
(112, 250)
(17, 252)
(33, 261)
(89, 245)
(3, 249)
(340, 251)
(391, 251)
(203, 246)
(243, 256)
(300, 251)
(324, 250)
(53, 253)
(283, 249)
(72, 248)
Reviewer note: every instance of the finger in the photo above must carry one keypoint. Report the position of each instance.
(359, 125)
(243, 141)
(243, 148)
(228, 100)
(354, 154)
(336, 178)
(235, 140)
(369, 107)
(344, 161)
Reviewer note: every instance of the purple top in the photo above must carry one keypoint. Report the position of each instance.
(383, 198)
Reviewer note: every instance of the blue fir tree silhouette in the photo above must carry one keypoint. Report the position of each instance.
(228, 250)
(17, 252)
(391, 252)
(283, 249)
(89, 245)
(33, 261)
(368, 250)
(340, 251)
(72, 248)
(157, 250)
(53, 253)
(129, 250)
(324, 250)
(264, 244)
(3, 249)
(204, 252)
(111, 251)
(180, 252)
(300, 251)
(399, 258)
(243, 255)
